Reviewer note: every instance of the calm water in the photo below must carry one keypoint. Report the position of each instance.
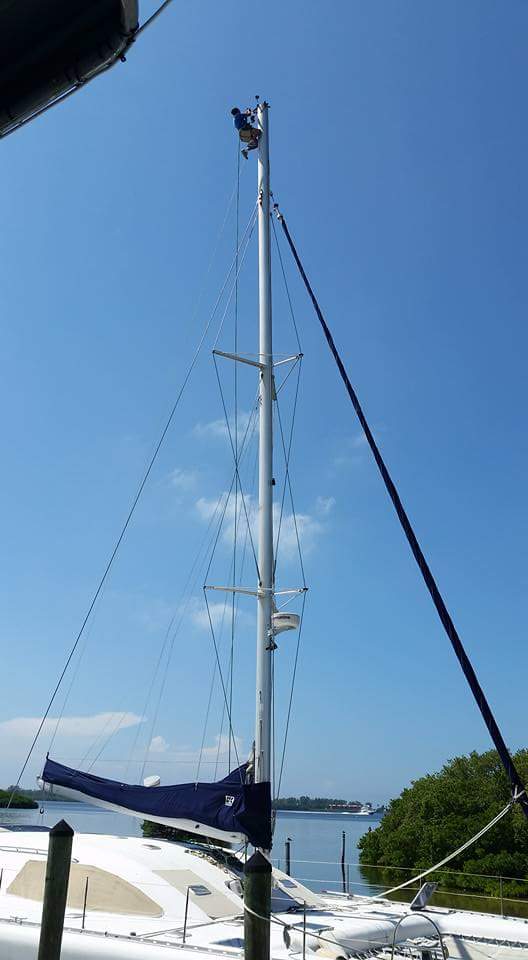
(315, 848)
(315, 837)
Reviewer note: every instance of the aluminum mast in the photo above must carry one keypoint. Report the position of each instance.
(265, 544)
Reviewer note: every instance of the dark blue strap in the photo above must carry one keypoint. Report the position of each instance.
(518, 788)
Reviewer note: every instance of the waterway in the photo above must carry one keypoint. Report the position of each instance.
(316, 843)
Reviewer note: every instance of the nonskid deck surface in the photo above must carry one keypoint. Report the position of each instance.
(136, 895)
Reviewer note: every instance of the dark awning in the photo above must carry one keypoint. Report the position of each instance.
(47, 47)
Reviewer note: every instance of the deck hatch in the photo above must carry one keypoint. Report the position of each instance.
(212, 901)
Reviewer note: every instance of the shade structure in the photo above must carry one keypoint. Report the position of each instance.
(48, 47)
(230, 809)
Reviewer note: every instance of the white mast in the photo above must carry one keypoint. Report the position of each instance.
(265, 546)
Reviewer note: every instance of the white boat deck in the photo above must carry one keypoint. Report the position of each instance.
(136, 904)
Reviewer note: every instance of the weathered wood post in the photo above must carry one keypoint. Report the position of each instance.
(55, 891)
(257, 899)
(288, 856)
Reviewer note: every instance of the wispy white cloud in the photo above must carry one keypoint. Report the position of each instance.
(75, 736)
(325, 505)
(217, 429)
(133, 609)
(351, 450)
(219, 748)
(25, 728)
(220, 612)
(182, 480)
(200, 618)
(158, 745)
(306, 526)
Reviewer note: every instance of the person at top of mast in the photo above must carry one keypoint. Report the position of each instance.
(248, 134)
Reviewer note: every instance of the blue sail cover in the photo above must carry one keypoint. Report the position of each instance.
(230, 806)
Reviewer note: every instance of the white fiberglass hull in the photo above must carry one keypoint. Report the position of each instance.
(137, 905)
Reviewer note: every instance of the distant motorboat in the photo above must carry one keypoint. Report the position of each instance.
(366, 811)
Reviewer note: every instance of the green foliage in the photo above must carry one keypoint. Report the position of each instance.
(440, 812)
(40, 795)
(19, 802)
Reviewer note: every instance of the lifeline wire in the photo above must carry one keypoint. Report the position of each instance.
(518, 788)
(126, 524)
(300, 928)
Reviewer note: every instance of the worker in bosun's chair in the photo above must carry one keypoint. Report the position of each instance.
(248, 134)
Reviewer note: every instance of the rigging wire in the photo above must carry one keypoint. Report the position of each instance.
(134, 743)
(287, 478)
(109, 738)
(195, 312)
(154, 16)
(221, 675)
(245, 446)
(288, 375)
(285, 281)
(224, 498)
(196, 309)
(246, 441)
(237, 474)
(235, 405)
(128, 520)
(182, 606)
(209, 701)
(241, 572)
(170, 650)
(167, 648)
(240, 259)
(75, 673)
(292, 690)
(518, 788)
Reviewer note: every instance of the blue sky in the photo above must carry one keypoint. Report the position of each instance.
(399, 151)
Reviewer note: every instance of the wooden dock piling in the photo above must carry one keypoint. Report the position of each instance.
(55, 891)
(257, 900)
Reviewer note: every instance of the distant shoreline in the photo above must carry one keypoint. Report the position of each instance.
(332, 813)
(18, 802)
